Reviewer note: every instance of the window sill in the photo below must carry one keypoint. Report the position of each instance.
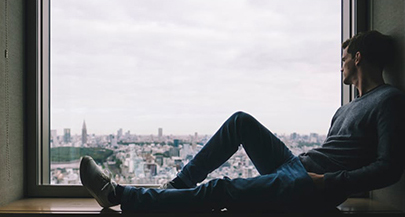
(56, 206)
(88, 206)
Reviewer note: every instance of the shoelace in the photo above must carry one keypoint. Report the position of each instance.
(109, 182)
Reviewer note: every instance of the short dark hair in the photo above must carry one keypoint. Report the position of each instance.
(375, 48)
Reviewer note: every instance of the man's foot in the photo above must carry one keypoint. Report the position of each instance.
(96, 182)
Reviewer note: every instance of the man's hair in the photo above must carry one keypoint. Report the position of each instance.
(375, 48)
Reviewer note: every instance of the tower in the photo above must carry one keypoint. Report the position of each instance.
(66, 135)
(119, 134)
(54, 138)
(160, 133)
(84, 133)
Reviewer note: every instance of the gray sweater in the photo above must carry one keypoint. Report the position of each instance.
(364, 148)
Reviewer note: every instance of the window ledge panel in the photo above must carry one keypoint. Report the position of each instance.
(88, 206)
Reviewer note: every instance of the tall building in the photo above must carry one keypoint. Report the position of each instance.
(294, 136)
(195, 140)
(195, 136)
(176, 143)
(128, 135)
(54, 138)
(160, 133)
(113, 140)
(66, 135)
(119, 134)
(84, 133)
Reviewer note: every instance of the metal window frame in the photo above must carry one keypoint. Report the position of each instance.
(38, 110)
(353, 18)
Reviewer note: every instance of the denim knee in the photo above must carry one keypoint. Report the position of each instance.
(240, 114)
(241, 117)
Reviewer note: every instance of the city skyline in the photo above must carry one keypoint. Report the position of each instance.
(79, 131)
(159, 133)
(137, 159)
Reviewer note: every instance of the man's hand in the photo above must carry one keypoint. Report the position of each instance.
(318, 180)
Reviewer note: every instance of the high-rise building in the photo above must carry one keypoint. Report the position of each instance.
(66, 135)
(160, 133)
(127, 135)
(113, 140)
(174, 152)
(195, 140)
(185, 151)
(119, 134)
(176, 143)
(195, 136)
(294, 136)
(84, 133)
(54, 138)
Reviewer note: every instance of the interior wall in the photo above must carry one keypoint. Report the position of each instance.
(11, 100)
(388, 17)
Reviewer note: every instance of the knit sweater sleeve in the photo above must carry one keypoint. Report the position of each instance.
(388, 165)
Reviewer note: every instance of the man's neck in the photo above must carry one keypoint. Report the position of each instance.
(364, 88)
(368, 81)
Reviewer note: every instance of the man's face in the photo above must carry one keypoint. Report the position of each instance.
(348, 68)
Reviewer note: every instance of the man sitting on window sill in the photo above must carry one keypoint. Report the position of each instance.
(362, 152)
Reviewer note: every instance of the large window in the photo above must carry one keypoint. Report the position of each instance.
(142, 85)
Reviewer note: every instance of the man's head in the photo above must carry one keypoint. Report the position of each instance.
(371, 49)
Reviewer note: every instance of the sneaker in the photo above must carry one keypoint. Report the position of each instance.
(167, 185)
(96, 181)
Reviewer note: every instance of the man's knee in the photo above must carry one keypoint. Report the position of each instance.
(241, 116)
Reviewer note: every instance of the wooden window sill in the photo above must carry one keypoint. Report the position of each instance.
(88, 206)
(57, 206)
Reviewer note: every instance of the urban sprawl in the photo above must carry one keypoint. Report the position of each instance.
(149, 159)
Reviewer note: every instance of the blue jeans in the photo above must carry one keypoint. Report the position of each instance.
(283, 183)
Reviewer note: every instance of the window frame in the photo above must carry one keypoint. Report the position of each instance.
(353, 19)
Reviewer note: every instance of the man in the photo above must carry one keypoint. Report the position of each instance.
(362, 152)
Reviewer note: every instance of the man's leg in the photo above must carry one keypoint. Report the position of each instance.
(288, 188)
(265, 150)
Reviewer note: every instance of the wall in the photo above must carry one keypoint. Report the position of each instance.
(388, 17)
(11, 100)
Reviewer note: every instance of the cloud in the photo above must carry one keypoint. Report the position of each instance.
(140, 65)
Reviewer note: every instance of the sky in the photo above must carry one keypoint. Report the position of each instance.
(187, 65)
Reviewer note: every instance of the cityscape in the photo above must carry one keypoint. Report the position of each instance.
(149, 160)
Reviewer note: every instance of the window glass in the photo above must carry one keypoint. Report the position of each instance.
(141, 85)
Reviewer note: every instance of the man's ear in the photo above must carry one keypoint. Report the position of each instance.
(357, 58)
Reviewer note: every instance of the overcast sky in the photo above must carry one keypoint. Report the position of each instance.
(187, 65)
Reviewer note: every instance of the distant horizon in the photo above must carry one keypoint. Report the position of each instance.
(60, 132)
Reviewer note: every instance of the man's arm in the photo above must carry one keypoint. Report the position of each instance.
(318, 180)
(389, 162)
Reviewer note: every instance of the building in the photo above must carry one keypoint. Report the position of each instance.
(174, 151)
(176, 143)
(66, 136)
(119, 134)
(84, 133)
(113, 140)
(160, 133)
(54, 138)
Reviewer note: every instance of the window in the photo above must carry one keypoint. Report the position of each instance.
(141, 86)
(132, 78)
